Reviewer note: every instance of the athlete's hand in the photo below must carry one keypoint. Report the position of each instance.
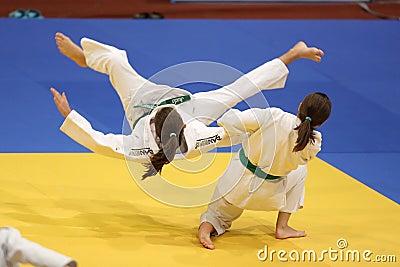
(61, 102)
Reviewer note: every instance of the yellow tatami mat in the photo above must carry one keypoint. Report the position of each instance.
(88, 207)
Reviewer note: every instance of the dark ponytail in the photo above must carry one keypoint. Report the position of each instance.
(313, 111)
(304, 135)
(169, 129)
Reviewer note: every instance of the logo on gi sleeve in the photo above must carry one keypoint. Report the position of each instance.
(140, 152)
(206, 141)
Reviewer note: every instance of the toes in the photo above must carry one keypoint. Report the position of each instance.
(301, 233)
(58, 40)
(315, 51)
(209, 246)
(206, 243)
(60, 35)
(290, 234)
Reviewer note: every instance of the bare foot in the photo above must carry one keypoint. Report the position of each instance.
(205, 231)
(301, 50)
(288, 232)
(70, 49)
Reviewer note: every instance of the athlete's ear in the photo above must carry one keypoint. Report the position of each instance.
(184, 126)
(298, 108)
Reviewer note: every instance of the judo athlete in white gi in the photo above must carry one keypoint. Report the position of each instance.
(14, 249)
(168, 123)
(269, 172)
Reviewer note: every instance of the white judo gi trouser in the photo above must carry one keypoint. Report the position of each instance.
(15, 249)
(230, 200)
(134, 90)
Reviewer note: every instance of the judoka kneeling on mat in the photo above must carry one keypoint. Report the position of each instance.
(269, 171)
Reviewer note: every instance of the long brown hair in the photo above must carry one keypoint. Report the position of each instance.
(314, 111)
(169, 129)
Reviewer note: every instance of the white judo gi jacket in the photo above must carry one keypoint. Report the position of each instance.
(135, 91)
(269, 146)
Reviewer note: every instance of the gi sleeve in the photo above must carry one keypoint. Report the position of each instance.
(270, 75)
(237, 122)
(209, 106)
(17, 250)
(81, 131)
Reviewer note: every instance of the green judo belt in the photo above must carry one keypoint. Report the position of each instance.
(174, 101)
(255, 169)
